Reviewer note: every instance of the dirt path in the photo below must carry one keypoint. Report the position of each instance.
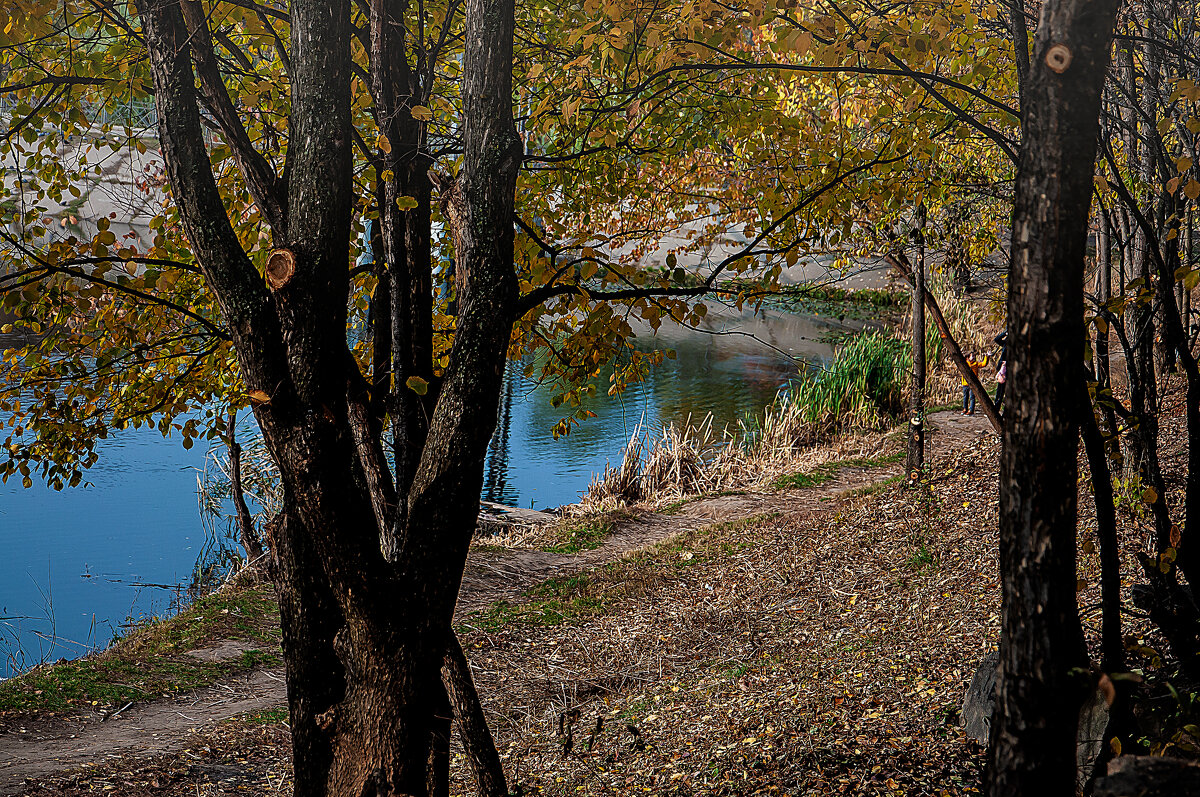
(42, 748)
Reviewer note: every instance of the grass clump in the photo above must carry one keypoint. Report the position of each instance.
(550, 603)
(813, 478)
(151, 661)
(582, 534)
(828, 471)
(277, 715)
(922, 558)
(864, 387)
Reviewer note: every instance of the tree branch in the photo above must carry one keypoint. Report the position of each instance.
(261, 179)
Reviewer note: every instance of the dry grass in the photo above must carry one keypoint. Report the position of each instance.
(692, 461)
(793, 434)
(801, 654)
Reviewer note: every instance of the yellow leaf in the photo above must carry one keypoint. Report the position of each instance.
(421, 113)
(406, 202)
(417, 385)
(383, 143)
(1192, 189)
(1150, 496)
(259, 397)
(1183, 164)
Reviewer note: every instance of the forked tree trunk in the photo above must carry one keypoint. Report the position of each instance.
(899, 262)
(1039, 689)
(364, 634)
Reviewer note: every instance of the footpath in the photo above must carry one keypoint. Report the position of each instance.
(36, 748)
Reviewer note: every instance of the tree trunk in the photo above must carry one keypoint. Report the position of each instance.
(381, 326)
(916, 421)
(404, 191)
(1112, 646)
(1039, 690)
(472, 725)
(1103, 330)
(247, 536)
(363, 635)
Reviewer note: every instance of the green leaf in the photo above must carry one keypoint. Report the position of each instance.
(406, 202)
(417, 385)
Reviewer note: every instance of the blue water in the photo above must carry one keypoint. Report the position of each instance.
(74, 559)
(729, 376)
(82, 563)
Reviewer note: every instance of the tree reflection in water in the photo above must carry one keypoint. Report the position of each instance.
(731, 368)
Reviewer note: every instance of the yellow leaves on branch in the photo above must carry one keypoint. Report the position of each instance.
(1186, 89)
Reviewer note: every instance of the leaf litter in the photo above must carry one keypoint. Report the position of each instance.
(817, 651)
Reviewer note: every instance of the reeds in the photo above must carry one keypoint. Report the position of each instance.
(862, 391)
(863, 388)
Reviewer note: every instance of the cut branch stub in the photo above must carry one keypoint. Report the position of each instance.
(281, 265)
(1058, 58)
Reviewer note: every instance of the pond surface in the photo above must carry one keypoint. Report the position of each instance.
(731, 369)
(80, 564)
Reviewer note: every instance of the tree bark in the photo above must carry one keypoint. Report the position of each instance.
(249, 539)
(402, 167)
(916, 420)
(364, 637)
(1112, 645)
(1039, 688)
(1103, 295)
(472, 724)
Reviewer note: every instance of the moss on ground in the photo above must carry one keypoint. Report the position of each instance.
(828, 471)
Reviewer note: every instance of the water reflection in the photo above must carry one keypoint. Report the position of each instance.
(73, 558)
(731, 368)
(82, 564)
